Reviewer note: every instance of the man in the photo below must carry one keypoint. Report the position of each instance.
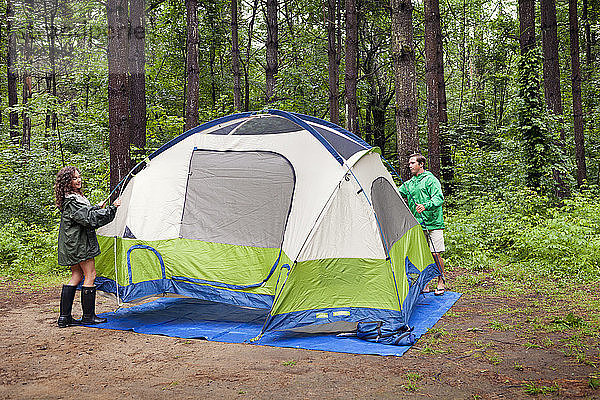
(423, 193)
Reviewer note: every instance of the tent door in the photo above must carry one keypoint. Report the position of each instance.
(239, 198)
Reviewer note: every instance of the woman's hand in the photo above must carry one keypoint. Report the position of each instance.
(117, 202)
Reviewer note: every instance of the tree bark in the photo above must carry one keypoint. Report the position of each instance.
(137, 61)
(11, 58)
(552, 79)
(533, 133)
(351, 75)
(576, 90)
(118, 90)
(551, 62)
(272, 50)
(235, 57)
(27, 78)
(587, 33)
(447, 167)
(526, 25)
(403, 54)
(332, 56)
(432, 27)
(248, 48)
(192, 70)
(49, 22)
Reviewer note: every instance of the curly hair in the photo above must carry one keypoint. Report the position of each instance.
(63, 185)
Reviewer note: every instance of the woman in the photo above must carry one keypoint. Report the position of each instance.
(78, 245)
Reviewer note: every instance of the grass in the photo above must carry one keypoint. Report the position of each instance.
(412, 379)
(533, 388)
(34, 281)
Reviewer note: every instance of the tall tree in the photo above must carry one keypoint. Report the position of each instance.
(576, 90)
(27, 77)
(51, 30)
(137, 70)
(11, 59)
(447, 167)
(272, 51)
(351, 74)
(235, 57)
(118, 90)
(192, 70)
(536, 143)
(587, 32)
(403, 53)
(551, 63)
(432, 31)
(330, 7)
(552, 77)
(247, 62)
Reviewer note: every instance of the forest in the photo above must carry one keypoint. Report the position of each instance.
(501, 96)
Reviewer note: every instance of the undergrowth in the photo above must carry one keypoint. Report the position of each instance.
(27, 250)
(529, 234)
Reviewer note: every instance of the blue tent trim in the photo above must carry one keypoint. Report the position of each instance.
(184, 288)
(312, 131)
(334, 127)
(393, 319)
(197, 129)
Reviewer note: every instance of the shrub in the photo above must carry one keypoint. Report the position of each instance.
(27, 249)
(529, 231)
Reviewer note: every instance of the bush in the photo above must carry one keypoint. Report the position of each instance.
(529, 232)
(27, 249)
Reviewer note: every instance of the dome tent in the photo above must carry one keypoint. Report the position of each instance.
(272, 210)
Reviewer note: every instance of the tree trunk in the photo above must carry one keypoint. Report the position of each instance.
(27, 78)
(11, 59)
(248, 48)
(192, 70)
(587, 34)
(403, 54)
(552, 79)
(576, 89)
(526, 25)
(447, 167)
(533, 135)
(235, 57)
(333, 66)
(432, 26)
(272, 45)
(49, 19)
(551, 62)
(351, 77)
(137, 61)
(118, 90)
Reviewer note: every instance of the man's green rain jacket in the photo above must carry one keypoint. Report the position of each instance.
(77, 233)
(425, 189)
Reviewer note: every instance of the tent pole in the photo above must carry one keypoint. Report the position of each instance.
(116, 275)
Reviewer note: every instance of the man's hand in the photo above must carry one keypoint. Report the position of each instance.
(117, 202)
(420, 208)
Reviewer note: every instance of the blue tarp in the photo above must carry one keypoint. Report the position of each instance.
(200, 319)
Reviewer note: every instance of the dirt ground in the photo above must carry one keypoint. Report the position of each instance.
(472, 353)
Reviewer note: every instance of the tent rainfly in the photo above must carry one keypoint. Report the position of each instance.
(272, 210)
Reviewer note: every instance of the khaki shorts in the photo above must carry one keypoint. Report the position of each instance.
(435, 239)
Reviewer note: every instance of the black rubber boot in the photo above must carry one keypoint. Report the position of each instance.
(88, 304)
(66, 304)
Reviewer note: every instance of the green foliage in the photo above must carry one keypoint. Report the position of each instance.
(533, 388)
(528, 232)
(570, 320)
(27, 249)
(540, 153)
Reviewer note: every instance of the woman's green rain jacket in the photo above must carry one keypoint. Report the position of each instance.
(77, 233)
